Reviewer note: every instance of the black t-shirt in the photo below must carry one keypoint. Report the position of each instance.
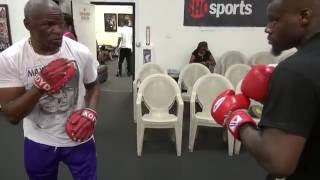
(293, 104)
(199, 59)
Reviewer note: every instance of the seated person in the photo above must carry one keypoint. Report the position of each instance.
(203, 55)
(104, 55)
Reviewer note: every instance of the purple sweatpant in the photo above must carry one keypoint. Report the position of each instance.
(42, 161)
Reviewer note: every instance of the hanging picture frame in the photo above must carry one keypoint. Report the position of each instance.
(110, 22)
(123, 17)
(5, 35)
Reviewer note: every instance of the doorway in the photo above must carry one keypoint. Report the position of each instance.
(110, 18)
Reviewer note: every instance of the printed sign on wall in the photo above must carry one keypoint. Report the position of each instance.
(245, 13)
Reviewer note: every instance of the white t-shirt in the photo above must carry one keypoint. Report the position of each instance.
(126, 35)
(46, 123)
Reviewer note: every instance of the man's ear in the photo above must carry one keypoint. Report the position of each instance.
(305, 16)
(26, 23)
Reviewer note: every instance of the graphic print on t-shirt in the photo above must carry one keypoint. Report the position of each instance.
(63, 100)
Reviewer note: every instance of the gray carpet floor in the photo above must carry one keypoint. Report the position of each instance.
(116, 147)
(117, 84)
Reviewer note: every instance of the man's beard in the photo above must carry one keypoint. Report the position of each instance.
(275, 51)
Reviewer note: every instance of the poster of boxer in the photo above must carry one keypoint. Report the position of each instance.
(110, 22)
(5, 36)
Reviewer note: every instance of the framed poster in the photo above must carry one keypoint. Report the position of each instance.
(146, 55)
(5, 35)
(110, 22)
(123, 17)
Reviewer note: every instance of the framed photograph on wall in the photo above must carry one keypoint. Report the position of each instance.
(5, 35)
(123, 17)
(110, 22)
(146, 56)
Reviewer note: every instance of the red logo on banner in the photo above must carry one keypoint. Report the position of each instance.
(198, 8)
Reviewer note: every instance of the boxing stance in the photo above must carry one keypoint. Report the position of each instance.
(286, 141)
(49, 82)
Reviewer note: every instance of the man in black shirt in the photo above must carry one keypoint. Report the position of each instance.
(287, 141)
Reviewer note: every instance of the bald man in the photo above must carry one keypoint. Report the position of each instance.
(44, 108)
(287, 143)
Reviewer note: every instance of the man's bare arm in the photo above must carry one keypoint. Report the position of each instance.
(16, 103)
(275, 150)
(92, 96)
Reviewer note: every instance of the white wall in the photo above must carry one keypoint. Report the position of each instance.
(173, 42)
(110, 38)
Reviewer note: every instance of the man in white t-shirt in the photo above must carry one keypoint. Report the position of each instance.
(56, 103)
(125, 44)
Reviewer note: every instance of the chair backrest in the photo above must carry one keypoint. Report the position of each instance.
(262, 58)
(207, 88)
(190, 74)
(236, 72)
(238, 87)
(231, 57)
(158, 92)
(149, 69)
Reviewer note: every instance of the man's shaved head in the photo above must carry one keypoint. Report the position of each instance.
(34, 6)
(44, 20)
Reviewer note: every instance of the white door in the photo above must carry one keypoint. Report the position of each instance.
(84, 24)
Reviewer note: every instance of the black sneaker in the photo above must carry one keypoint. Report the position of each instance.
(118, 75)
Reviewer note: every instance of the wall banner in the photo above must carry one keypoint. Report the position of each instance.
(243, 13)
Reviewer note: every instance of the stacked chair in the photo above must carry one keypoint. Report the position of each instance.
(159, 92)
(189, 75)
(236, 72)
(205, 90)
(229, 58)
(262, 58)
(145, 71)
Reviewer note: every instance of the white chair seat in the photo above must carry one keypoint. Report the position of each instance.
(205, 119)
(160, 118)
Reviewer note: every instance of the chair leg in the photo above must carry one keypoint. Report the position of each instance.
(178, 132)
(237, 146)
(230, 143)
(140, 135)
(192, 134)
(134, 106)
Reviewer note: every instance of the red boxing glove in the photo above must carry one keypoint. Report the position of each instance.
(226, 103)
(236, 120)
(81, 124)
(55, 75)
(255, 83)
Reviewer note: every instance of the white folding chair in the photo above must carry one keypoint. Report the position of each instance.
(189, 75)
(146, 70)
(229, 58)
(236, 72)
(159, 92)
(205, 90)
(262, 58)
